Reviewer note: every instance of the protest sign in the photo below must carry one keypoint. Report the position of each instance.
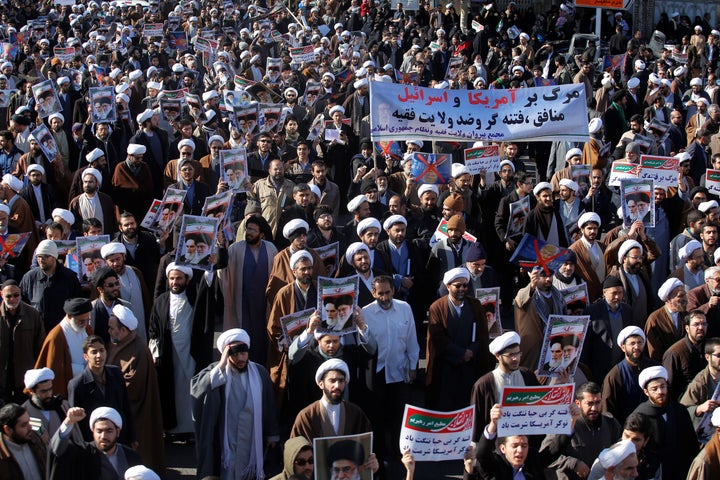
(12, 244)
(441, 232)
(293, 325)
(303, 54)
(663, 171)
(197, 242)
(178, 40)
(612, 62)
(312, 91)
(46, 98)
(483, 158)
(532, 252)
(490, 300)
(565, 333)
(712, 181)
(390, 151)
(46, 141)
(233, 167)
(246, 118)
(88, 249)
(170, 109)
(102, 102)
(5, 96)
(152, 212)
(576, 297)
(168, 212)
(542, 113)
(220, 206)
(354, 449)
(153, 30)
(431, 168)
(433, 436)
(638, 201)
(620, 170)
(519, 212)
(330, 255)
(536, 410)
(269, 117)
(453, 68)
(336, 302)
(64, 54)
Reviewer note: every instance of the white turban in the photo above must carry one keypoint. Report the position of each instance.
(144, 116)
(356, 202)
(630, 331)
(354, 248)
(588, 217)
(426, 187)
(540, 187)
(59, 116)
(595, 125)
(136, 149)
(36, 167)
(38, 375)
(300, 255)
(293, 225)
(358, 84)
(186, 142)
(329, 365)
(140, 472)
(571, 184)
(688, 249)
(705, 206)
(112, 248)
(626, 246)
(370, 222)
(455, 273)
(13, 182)
(66, 215)
(614, 454)
(125, 316)
(106, 413)
(233, 335)
(715, 419)
(94, 155)
(458, 169)
(186, 270)
(216, 138)
(337, 108)
(94, 172)
(392, 220)
(651, 373)
(573, 152)
(668, 287)
(504, 341)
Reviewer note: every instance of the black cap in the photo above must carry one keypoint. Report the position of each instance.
(77, 306)
(612, 281)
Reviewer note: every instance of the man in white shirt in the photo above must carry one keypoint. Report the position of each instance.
(392, 325)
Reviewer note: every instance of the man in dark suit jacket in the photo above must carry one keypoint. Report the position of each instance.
(147, 135)
(107, 284)
(197, 192)
(706, 298)
(143, 250)
(698, 156)
(86, 392)
(608, 316)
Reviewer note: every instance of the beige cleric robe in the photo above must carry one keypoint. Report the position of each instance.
(586, 271)
(281, 273)
(133, 357)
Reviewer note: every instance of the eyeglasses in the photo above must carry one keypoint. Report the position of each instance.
(301, 462)
(511, 355)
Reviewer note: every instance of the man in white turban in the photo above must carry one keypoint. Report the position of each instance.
(233, 412)
(664, 326)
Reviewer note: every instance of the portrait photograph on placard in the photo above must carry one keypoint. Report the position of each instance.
(102, 101)
(337, 300)
(233, 168)
(638, 201)
(46, 141)
(343, 457)
(562, 344)
(88, 249)
(46, 98)
(196, 242)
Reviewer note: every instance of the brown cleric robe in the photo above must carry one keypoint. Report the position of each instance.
(132, 193)
(55, 355)
(134, 359)
(281, 273)
(313, 421)
(661, 332)
(586, 271)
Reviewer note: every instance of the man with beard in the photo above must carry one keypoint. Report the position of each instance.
(358, 257)
(133, 288)
(57, 174)
(456, 344)
(619, 461)
(297, 460)
(487, 390)
(608, 317)
(104, 138)
(664, 326)
(569, 204)
(107, 284)
(62, 350)
(272, 194)
(534, 304)
(47, 286)
(401, 259)
(96, 159)
(67, 148)
(346, 459)
(38, 195)
(621, 391)
(302, 209)
(706, 298)
(331, 415)
(101, 385)
(686, 357)
(178, 345)
(691, 265)
(243, 280)
(20, 217)
(325, 232)
(130, 353)
(590, 254)
(211, 162)
(544, 221)
(359, 208)
(43, 406)
(636, 284)
(709, 238)
(92, 203)
(22, 452)
(296, 296)
(423, 222)
(259, 161)
(133, 182)
(103, 458)
(450, 252)
(698, 398)
(592, 431)
(672, 436)
(21, 336)
(329, 191)
(143, 250)
(233, 411)
(368, 233)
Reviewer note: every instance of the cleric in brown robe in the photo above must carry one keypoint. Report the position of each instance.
(132, 355)
(133, 183)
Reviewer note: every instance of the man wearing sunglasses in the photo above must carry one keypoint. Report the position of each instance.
(298, 460)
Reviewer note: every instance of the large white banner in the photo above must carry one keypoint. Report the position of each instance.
(401, 112)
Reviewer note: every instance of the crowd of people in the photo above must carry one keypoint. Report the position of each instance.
(107, 358)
